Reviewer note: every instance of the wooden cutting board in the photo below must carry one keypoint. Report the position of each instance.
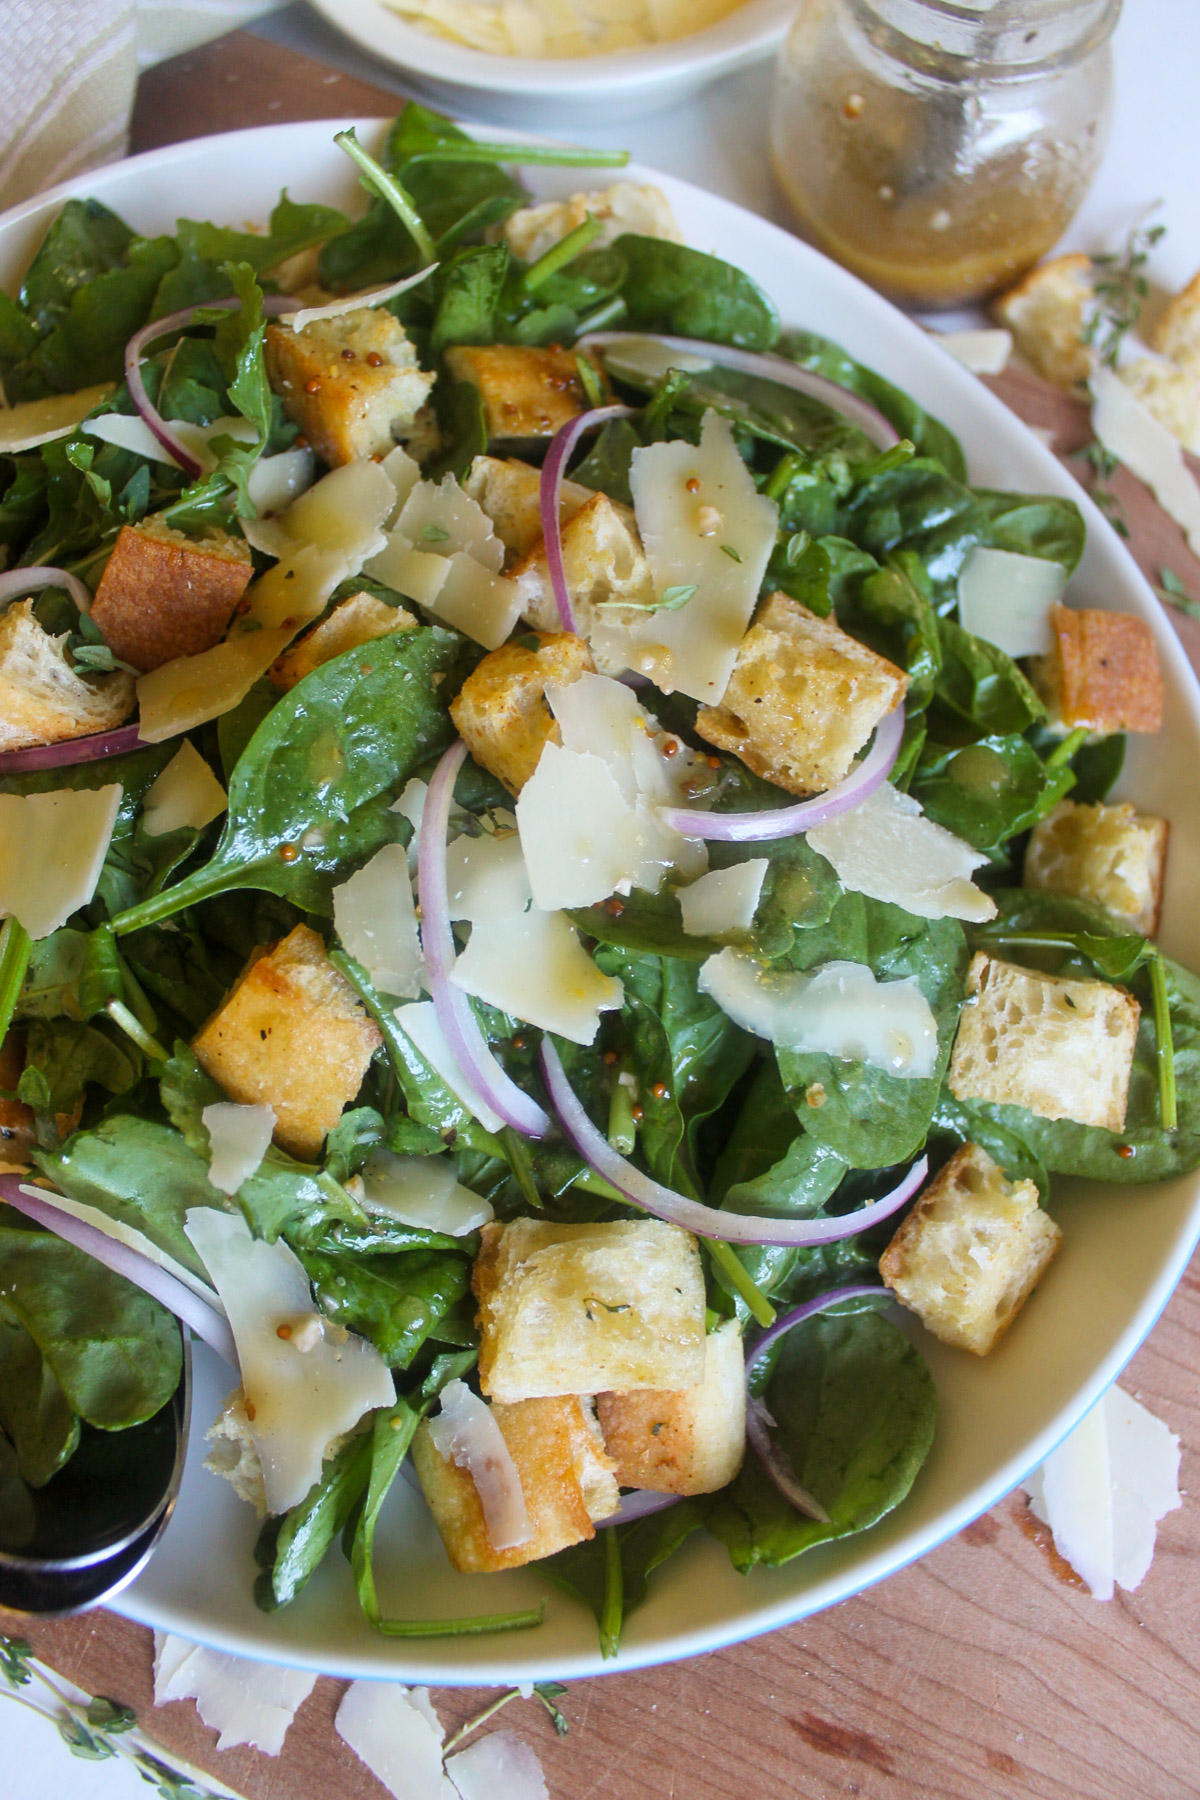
(986, 1669)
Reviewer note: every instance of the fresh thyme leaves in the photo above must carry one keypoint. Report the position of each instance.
(548, 1692)
(1103, 465)
(15, 1655)
(1172, 590)
(98, 659)
(589, 381)
(1120, 287)
(434, 534)
(731, 553)
(670, 600)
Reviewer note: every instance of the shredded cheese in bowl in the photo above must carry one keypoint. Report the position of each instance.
(561, 28)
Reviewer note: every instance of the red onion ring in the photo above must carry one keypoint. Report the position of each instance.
(640, 1503)
(759, 1422)
(787, 821)
(70, 752)
(123, 1260)
(273, 304)
(770, 367)
(20, 583)
(458, 1022)
(706, 1221)
(553, 469)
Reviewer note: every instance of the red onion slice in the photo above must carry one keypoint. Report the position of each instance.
(458, 1022)
(123, 1260)
(770, 367)
(273, 305)
(72, 751)
(705, 1221)
(553, 469)
(759, 1422)
(18, 584)
(787, 821)
(641, 1503)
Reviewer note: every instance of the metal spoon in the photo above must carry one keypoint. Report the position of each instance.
(90, 1530)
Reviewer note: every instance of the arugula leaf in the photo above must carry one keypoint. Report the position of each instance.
(239, 347)
(34, 1413)
(610, 1574)
(292, 1544)
(855, 1407)
(393, 1300)
(63, 1056)
(204, 249)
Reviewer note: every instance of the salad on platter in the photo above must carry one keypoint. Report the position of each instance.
(560, 900)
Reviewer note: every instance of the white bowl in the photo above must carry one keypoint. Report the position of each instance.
(1125, 1248)
(567, 91)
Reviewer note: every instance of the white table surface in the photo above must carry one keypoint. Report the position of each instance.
(717, 140)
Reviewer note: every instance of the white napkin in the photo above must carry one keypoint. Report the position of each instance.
(69, 71)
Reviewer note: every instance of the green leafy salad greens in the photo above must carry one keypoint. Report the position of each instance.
(103, 1096)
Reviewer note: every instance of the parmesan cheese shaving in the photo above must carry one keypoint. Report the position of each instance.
(246, 1702)
(500, 1766)
(983, 352)
(376, 920)
(275, 481)
(725, 900)
(419, 1022)
(193, 689)
(487, 878)
(438, 516)
(36, 422)
(1007, 598)
(334, 309)
(52, 848)
(396, 1733)
(423, 1191)
(560, 28)
(534, 967)
(418, 574)
(886, 848)
(186, 794)
(483, 606)
(1136, 438)
(464, 1432)
(238, 1138)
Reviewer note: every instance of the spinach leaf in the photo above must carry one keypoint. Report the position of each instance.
(854, 1406)
(779, 415)
(671, 288)
(1034, 525)
(462, 429)
(988, 791)
(291, 1544)
(84, 240)
(824, 357)
(468, 293)
(962, 1122)
(34, 1413)
(116, 1353)
(204, 249)
(649, 923)
(88, 344)
(607, 464)
(916, 506)
(239, 347)
(310, 797)
(821, 572)
(891, 610)
(52, 981)
(394, 1300)
(981, 690)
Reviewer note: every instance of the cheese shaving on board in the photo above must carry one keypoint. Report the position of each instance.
(246, 1702)
(1136, 438)
(396, 1733)
(500, 1766)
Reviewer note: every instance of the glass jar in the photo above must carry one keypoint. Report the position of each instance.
(940, 147)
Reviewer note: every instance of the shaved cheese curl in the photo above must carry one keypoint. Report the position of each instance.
(553, 469)
(465, 1432)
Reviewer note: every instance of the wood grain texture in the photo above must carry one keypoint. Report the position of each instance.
(985, 1670)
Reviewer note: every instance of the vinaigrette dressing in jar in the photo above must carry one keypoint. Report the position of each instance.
(938, 148)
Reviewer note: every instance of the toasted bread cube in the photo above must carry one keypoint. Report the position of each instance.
(586, 1309)
(1170, 395)
(1177, 331)
(971, 1251)
(501, 708)
(234, 1455)
(644, 211)
(42, 700)
(358, 619)
(292, 1035)
(1112, 856)
(565, 1473)
(352, 384)
(803, 698)
(526, 393)
(509, 491)
(164, 594)
(1102, 673)
(1062, 1049)
(603, 562)
(1047, 313)
(691, 1440)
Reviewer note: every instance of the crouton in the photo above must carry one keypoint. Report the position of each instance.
(604, 565)
(1062, 1049)
(293, 1035)
(971, 1251)
(1102, 673)
(1047, 313)
(509, 491)
(585, 1309)
(501, 708)
(1170, 395)
(42, 700)
(644, 211)
(164, 594)
(359, 619)
(803, 698)
(352, 384)
(234, 1455)
(689, 1441)
(1176, 332)
(526, 393)
(1112, 856)
(566, 1477)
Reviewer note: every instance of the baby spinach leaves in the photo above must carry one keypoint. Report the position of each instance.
(394, 1300)
(669, 287)
(929, 435)
(34, 1411)
(988, 791)
(610, 1574)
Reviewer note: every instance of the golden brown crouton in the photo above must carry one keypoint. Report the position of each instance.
(292, 1035)
(582, 1309)
(1112, 856)
(626, 206)
(501, 708)
(1177, 331)
(1170, 395)
(1047, 315)
(603, 562)
(526, 393)
(358, 619)
(164, 594)
(1102, 673)
(42, 700)
(690, 1441)
(1062, 1049)
(509, 492)
(352, 384)
(565, 1474)
(803, 698)
(971, 1251)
